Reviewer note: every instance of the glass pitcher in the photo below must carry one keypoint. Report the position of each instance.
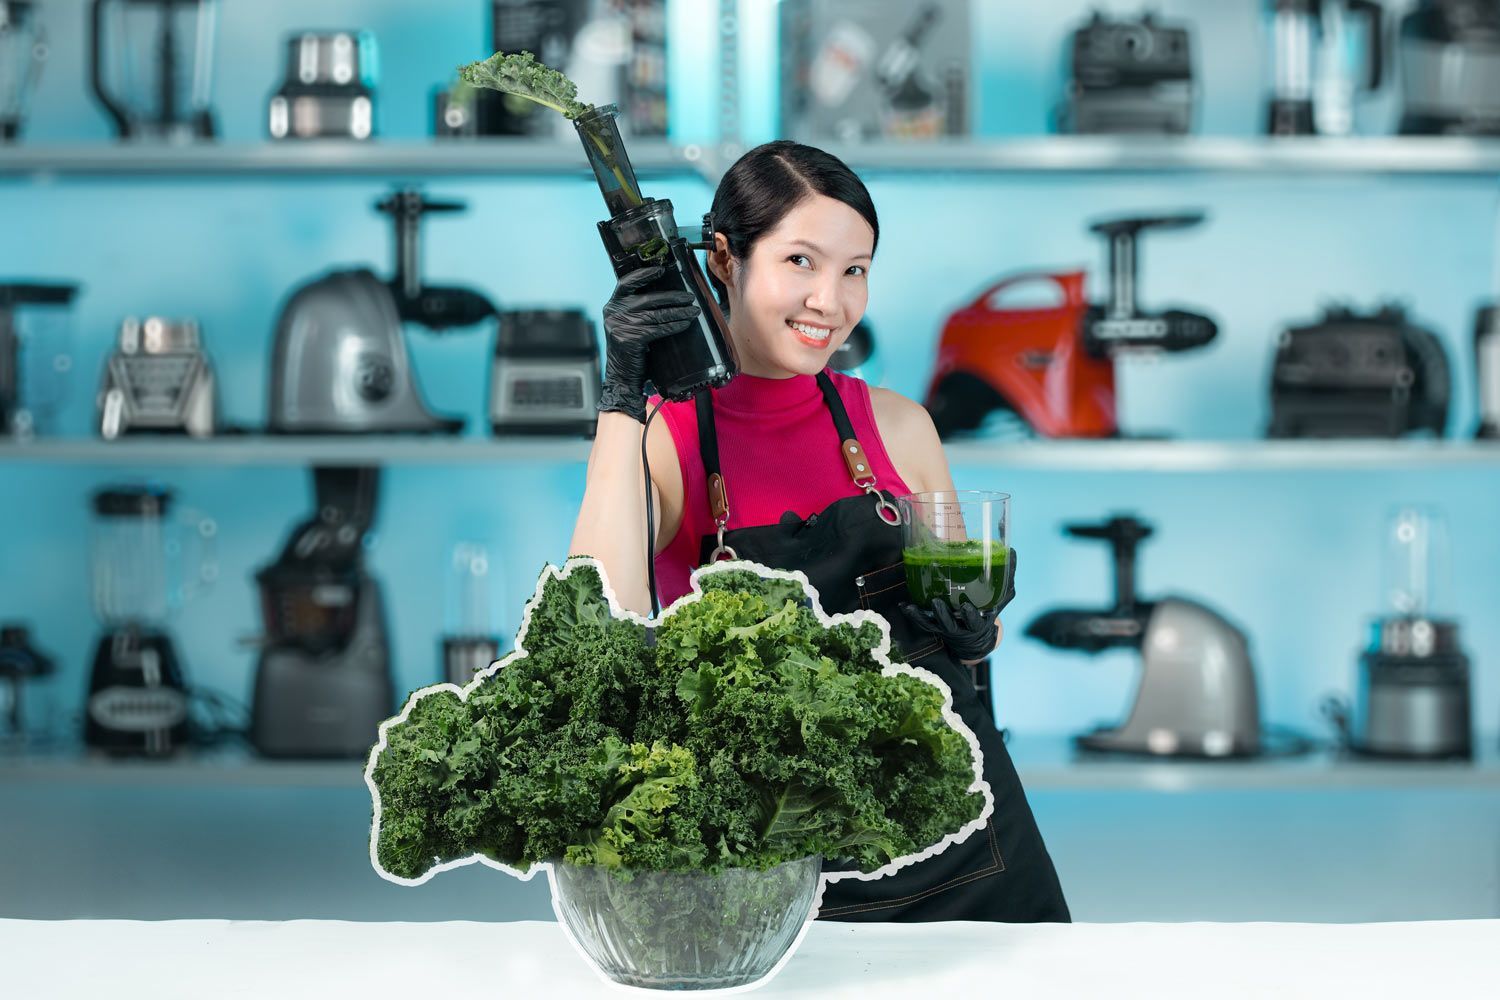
(144, 564)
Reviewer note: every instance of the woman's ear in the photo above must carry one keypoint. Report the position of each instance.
(719, 260)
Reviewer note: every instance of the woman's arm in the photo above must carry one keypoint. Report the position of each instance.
(915, 449)
(611, 522)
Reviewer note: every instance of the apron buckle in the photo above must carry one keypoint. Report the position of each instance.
(721, 550)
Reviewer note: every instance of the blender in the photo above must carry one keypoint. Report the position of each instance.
(469, 644)
(137, 695)
(23, 49)
(151, 66)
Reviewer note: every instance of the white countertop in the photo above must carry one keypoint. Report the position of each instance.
(322, 960)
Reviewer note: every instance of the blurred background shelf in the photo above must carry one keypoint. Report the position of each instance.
(1415, 155)
(1145, 455)
(1044, 762)
(429, 158)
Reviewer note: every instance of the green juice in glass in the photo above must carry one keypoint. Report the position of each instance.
(972, 571)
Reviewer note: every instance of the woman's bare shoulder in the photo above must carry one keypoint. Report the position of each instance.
(910, 439)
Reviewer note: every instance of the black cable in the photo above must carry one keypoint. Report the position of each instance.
(650, 510)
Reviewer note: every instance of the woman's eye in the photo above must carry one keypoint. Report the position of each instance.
(857, 267)
(797, 256)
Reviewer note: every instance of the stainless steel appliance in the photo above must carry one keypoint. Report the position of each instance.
(1487, 370)
(1323, 53)
(323, 678)
(137, 693)
(1450, 68)
(151, 66)
(1413, 693)
(329, 88)
(158, 380)
(23, 50)
(34, 356)
(545, 375)
(1197, 693)
(1129, 76)
(339, 362)
(883, 69)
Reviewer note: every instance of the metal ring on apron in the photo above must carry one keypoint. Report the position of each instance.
(721, 549)
(884, 509)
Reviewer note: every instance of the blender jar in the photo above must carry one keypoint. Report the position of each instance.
(23, 49)
(142, 571)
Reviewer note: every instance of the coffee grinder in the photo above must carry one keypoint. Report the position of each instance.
(1197, 693)
(160, 54)
(329, 89)
(323, 680)
(137, 695)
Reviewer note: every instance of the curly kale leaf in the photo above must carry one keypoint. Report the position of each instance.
(522, 75)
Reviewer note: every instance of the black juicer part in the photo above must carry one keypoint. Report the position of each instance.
(437, 307)
(1120, 325)
(1094, 630)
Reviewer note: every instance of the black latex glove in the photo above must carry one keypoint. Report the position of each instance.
(632, 320)
(969, 633)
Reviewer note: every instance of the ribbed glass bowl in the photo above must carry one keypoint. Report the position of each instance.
(686, 930)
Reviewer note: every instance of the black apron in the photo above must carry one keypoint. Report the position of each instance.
(851, 552)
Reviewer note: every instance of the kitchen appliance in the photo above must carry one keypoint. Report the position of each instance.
(158, 380)
(1359, 375)
(614, 50)
(1413, 695)
(329, 88)
(642, 232)
(882, 69)
(323, 677)
(1323, 52)
(1129, 76)
(23, 50)
(1450, 68)
(339, 363)
(21, 664)
(469, 644)
(137, 693)
(1197, 692)
(1487, 370)
(33, 319)
(151, 66)
(1049, 370)
(545, 375)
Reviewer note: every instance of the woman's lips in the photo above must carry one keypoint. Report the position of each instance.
(809, 339)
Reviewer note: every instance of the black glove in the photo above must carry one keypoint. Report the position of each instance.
(632, 320)
(969, 633)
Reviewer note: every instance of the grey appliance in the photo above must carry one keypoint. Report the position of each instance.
(1487, 370)
(1197, 692)
(1323, 53)
(32, 327)
(1450, 68)
(329, 88)
(151, 66)
(1129, 76)
(883, 69)
(545, 375)
(23, 50)
(158, 380)
(323, 679)
(339, 362)
(146, 563)
(1413, 689)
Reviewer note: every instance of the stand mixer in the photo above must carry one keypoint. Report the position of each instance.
(1197, 694)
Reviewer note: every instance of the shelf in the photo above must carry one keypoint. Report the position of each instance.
(1045, 763)
(1414, 155)
(1186, 154)
(430, 158)
(1062, 456)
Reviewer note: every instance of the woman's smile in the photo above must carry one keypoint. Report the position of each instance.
(811, 334)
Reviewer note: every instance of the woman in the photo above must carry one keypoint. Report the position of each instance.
(794, 237)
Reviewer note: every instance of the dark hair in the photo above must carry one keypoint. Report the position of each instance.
(767, 183)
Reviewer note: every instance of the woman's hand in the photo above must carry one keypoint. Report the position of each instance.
(632, 320)
(969, 633)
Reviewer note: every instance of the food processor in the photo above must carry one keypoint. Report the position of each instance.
(145, 565)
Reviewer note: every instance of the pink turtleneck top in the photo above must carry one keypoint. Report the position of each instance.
(778, 452)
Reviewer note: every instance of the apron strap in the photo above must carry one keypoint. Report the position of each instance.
(858, 466)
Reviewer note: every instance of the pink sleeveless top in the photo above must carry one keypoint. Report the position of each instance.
(778, 451)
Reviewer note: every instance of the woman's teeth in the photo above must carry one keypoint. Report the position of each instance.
(812, 335)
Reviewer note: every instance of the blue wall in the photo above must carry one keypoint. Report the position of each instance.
(1294, 557)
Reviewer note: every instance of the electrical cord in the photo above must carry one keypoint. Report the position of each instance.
(650, 510)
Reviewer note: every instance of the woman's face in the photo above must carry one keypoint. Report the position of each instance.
(810, 271)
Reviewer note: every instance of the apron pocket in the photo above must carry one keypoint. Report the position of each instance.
(873, 583)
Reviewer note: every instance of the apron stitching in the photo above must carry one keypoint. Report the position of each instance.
(932, 647)
(952, 883)
(882, 590)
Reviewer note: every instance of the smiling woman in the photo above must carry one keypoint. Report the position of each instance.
(797, 467)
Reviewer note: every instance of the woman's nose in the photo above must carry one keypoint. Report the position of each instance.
(822, 297)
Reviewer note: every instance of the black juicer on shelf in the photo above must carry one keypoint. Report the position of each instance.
(642, 232)
(1197, 694)
(323, 682)
(1129, 77)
